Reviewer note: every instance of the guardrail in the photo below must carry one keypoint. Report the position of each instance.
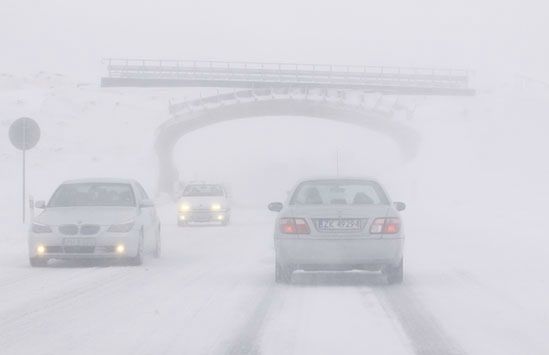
(402, 80)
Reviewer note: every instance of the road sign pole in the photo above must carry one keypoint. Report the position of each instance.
(24, 134)
(24, 185)
(24, 176)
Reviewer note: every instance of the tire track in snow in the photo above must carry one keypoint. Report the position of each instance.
(33, 273)
(424, 332)
(108, 284)
(19, 317)
(190, 313)
(249, 336)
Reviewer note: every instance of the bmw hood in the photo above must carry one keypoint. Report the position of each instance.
(86, 215)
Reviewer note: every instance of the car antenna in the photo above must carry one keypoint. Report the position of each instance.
(337, 163)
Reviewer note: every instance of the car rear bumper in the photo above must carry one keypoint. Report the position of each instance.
(101, 246)
(338, 253)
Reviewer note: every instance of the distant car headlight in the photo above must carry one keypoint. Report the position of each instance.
(215, 206)
(184, 207)
(40, 228)
(122, 228)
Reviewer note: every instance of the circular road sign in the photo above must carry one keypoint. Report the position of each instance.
(24, 133)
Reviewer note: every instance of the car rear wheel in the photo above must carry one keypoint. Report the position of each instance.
(283, 273)
(395, 275)
(38, 262)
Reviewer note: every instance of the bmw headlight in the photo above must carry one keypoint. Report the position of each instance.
(40, 228)
(122, 228)
(184, 207)
(215, 206)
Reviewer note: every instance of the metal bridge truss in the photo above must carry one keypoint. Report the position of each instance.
(387, 80)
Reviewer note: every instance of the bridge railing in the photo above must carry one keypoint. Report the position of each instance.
(150, 72)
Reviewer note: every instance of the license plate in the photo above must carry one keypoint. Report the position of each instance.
(333, 224)
(79, 242)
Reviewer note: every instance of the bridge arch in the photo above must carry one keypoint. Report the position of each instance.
(191, 116)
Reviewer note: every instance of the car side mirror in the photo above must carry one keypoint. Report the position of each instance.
(275, 206)
(400, 206)
(40, 204)
(146, 203)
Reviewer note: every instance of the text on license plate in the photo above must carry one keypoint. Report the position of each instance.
(339, 224)
(79, 242)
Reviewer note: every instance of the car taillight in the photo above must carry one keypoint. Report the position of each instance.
(294, 226)
(385, 226)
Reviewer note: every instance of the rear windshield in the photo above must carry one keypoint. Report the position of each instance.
(203, 190)
(337, 192)
(93, 194)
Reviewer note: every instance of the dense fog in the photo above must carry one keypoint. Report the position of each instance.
(470, 169)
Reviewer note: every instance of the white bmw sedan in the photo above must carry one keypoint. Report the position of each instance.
(95, 218)
(338, 224)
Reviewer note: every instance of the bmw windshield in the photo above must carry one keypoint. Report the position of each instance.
(93, 194)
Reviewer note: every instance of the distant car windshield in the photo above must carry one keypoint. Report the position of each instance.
(93, 194)
(339, 192)
(203, 190)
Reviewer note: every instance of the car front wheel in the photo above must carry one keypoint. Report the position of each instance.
(138, 258)
(38, 262)
(158, 246)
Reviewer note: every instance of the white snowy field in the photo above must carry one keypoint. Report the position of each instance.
(476, 266)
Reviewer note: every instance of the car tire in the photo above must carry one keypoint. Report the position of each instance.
(38, 262)
(395, 275)
(137, 260)
(283, 273)
(158, 246)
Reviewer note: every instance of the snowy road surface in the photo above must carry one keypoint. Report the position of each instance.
(199, 299)
(213, 292)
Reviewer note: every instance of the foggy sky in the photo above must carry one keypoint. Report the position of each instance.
(71, 37)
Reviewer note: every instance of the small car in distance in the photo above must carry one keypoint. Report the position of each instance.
(203, 204)
(338, 224)
(95, 219)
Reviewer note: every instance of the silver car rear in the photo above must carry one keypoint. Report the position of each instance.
(338, 231)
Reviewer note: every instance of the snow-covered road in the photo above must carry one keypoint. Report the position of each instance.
(476, 251)
(212, 292)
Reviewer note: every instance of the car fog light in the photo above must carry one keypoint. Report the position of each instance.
(120, 249)
(182, 218)
(40, 250)
(220, 217)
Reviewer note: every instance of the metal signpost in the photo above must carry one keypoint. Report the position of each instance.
(24, 134)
